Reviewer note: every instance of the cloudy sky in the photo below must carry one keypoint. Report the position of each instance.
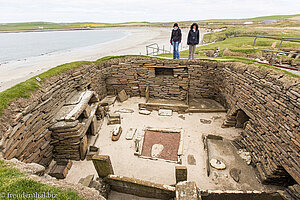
(140, 10)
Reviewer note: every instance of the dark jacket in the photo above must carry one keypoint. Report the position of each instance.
(176, 35)
(193, 37)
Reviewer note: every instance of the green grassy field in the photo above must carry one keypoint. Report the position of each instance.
(251, 31)
(216, 23)
(256, 19)
(239, 39)
(12, 181)
(238, 44)
(30, 26)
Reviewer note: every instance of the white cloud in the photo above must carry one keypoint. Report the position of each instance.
(139, 10)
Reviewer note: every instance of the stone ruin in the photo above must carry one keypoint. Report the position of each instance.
(57, 121)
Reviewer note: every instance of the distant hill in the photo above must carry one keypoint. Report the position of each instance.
(28, 26)
(295, 17)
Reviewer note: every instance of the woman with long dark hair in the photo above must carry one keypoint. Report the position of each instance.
(193, 40)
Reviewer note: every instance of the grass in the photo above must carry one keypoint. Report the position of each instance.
(218, 23)
(183, 54)
(256, 19)
(244, 44)
(12, 181)
(240, 38)
(238, 44)
(30, 26)
(249, 31)
(24, 89)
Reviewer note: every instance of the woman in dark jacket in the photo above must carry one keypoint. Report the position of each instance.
(193, 40)
(176, 40)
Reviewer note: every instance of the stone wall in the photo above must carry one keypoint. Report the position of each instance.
(24, 125)
(134, 78)
(28, 138)
(202, 80)
(193, 78)
(271, 100)
(237, 195)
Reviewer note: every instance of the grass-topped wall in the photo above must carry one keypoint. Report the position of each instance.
(26, 88)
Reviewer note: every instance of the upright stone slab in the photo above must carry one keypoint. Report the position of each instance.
(61, 169)
(181, 173)
(87, 180)
(94, 126)
(102, 165)
(122, 96)
(83, 147)
(186, 191)
(147, 94)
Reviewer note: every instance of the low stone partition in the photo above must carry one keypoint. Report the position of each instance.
(139, 187)
(237, 195)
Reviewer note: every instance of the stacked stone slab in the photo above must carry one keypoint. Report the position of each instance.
(134, 78)
(24, 124)
(180, 173)
(292, 192)
(271, 101)
(193, 79)
(75, 118)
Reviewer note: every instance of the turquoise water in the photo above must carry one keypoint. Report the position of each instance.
(17, 46)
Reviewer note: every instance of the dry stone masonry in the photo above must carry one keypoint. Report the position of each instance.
(263, 102)
(271, 101)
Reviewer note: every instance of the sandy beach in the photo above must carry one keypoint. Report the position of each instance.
(134, 43)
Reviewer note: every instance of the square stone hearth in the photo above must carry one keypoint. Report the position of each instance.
(162, 144)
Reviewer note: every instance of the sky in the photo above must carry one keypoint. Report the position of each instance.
(112, 11)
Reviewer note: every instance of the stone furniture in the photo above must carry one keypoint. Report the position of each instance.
(74, 121)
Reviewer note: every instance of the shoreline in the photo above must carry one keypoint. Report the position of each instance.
(65, 50)
(134, 43)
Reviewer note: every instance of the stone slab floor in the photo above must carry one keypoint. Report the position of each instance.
(127, 164)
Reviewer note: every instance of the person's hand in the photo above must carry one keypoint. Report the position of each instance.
(179, 42)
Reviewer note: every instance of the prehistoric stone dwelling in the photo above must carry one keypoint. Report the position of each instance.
(68, 114)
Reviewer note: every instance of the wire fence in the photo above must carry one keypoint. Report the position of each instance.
(153, 49)
(277, 51)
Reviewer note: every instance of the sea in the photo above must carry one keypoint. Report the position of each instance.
(21, 45)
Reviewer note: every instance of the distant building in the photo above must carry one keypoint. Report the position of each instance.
(269, 21)
(248, 22)
(41, 27)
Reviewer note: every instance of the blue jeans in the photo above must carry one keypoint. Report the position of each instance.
(175, 50)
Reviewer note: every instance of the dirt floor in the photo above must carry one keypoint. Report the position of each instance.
(125, 163)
